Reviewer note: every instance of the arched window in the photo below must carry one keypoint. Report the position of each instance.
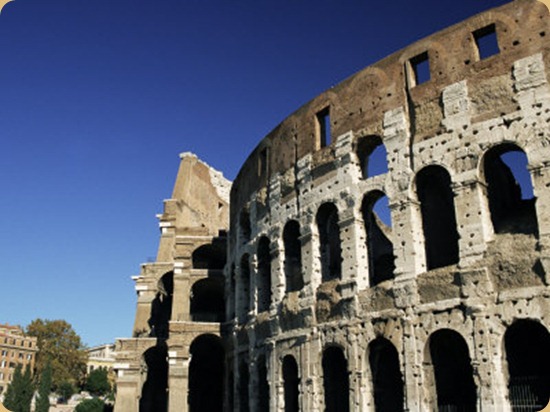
(329, 238)
(263, 385)
(161, 307)
(211, 256)
(376, 215)
(527, 345)
(335, 380)
(154, 395)
(509, 190)
(452, 370)
(264, 274)
(372, 156)
(387, 381)
(206, 371)
(291, 384)
(244, 289)
(433, 187)
(244, 226)
(207, 302)
(293, 256)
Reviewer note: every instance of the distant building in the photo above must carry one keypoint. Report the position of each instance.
(15, 349)
(102, 356)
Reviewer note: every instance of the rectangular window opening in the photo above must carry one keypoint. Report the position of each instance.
(486, 42)
(420, 66)
(263, 163)
(323, 121)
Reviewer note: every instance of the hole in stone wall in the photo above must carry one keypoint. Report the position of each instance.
(154, 395)
(433, 187)
(420, 66)
(510, 191)
(242, 388)
(387, 380)
(372, 156)
(161, 307)
(206, 371)
(263, 385)
(293, 256)
(211, 256)
(323, 127)
(452, 370)
(526, 343)
(329, 239)
(244, 226)
(207, 300)
(244, 292)
(335, 380)
(486, 41)
(378, 229)
(264, 274)
(291, 384)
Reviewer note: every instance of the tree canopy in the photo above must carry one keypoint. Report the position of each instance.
(44, 388)
(97, 382)
(59, 345)
(20, 391)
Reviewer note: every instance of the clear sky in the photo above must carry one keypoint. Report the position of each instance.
(98, 98)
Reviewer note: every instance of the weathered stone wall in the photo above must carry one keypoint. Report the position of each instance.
(469, 109)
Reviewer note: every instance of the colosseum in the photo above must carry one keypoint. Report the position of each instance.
(378, 250)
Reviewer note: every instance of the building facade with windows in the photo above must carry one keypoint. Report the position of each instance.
(388, 245)
(15, 349)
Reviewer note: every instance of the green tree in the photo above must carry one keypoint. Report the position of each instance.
(97, 382)
(44, 389)
(66, 390)
(19, 392)
(60, 345)
(90, 405)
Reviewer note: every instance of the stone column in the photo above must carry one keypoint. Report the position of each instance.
(180, 298)
(178, 381)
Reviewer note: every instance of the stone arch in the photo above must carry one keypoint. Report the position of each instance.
(206, 371)
(207, 300)
(291, 383)
(154, 395)
(161, 307)
(372, 155)
(264, 274)
(387, 380)
(335, 380)
(527, 345)
(434, 192)
(211, 256)
(509, 189)
(293, 256)
(448, 370)
(243, 295)
(378, 239)
(329, 242)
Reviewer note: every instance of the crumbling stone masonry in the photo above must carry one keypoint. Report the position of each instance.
(325, 302)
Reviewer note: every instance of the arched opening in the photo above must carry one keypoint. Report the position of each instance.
(329, 238)
(244, 289)
(264, 274)
(387, 381)
(206, 371)
(293, 256)
(527, 345)
(161, 307)
(376, 215)
(335, 380)
(244, 226)
(433, 187)
(372, 156)
(242, 388)
(207, 301)
(452, 370)
(263, 385)
(291, 383)
(509, 190)
(211, 256)
(154, 395)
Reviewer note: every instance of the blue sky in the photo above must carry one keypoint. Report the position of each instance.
(99, 98)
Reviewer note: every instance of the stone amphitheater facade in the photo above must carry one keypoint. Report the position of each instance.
(297, 292)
